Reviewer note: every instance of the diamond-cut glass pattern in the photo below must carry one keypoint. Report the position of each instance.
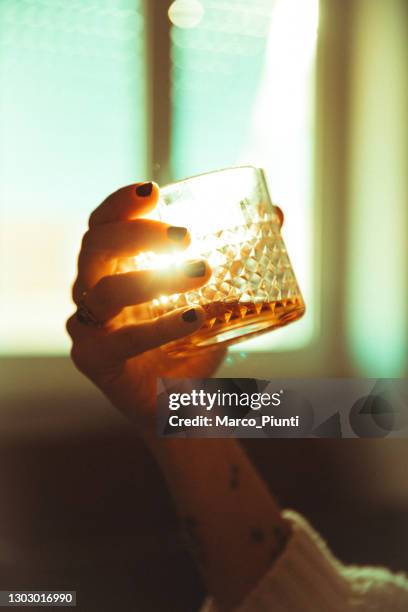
(239, 274)
(251, 267)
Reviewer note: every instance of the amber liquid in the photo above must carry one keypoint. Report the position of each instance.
(251, 271)
(229, 322)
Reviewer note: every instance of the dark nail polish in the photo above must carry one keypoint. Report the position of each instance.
(189, 316)
(195, 268)
(176, 233)
(144, 190)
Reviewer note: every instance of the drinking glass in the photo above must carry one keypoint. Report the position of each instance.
(234, 225)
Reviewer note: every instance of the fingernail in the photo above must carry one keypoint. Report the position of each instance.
(195, 268)
(176, 233)
(144, 190)
(189, 316)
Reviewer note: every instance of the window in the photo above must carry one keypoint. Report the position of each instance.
(242, 92)
(97, 95)
(72, 128)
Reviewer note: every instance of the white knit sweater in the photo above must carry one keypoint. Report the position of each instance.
(308, 578)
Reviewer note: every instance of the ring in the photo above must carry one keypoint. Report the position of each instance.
(85, 315)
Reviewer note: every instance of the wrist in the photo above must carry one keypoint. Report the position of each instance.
(165, 448)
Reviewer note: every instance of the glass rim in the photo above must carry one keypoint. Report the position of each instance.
(219, 171)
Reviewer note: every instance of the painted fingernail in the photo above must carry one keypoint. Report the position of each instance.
(189, 316)
(176, 233)
(144, 190)
(195, 269)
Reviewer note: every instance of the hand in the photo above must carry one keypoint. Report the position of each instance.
(123, 357)
(234, 526)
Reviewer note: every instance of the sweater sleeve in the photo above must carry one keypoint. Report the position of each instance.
(308, 578)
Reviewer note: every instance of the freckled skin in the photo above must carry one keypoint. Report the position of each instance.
(257, 535)
(234, 477)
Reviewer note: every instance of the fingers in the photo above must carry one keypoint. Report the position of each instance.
(112, 293)
(101, 349)
(280, 214)
(132, 340)
(128, 238)
(126, 203)
(104, 244)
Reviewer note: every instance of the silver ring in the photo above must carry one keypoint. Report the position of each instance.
(85, 315)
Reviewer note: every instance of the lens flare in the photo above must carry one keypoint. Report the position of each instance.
(186, 13)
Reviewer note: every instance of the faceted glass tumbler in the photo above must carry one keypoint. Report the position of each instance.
(235, 226)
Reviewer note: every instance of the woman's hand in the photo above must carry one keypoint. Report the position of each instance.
(234, 526)
(123, 356)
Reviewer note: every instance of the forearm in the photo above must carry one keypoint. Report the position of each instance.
(232, 522)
